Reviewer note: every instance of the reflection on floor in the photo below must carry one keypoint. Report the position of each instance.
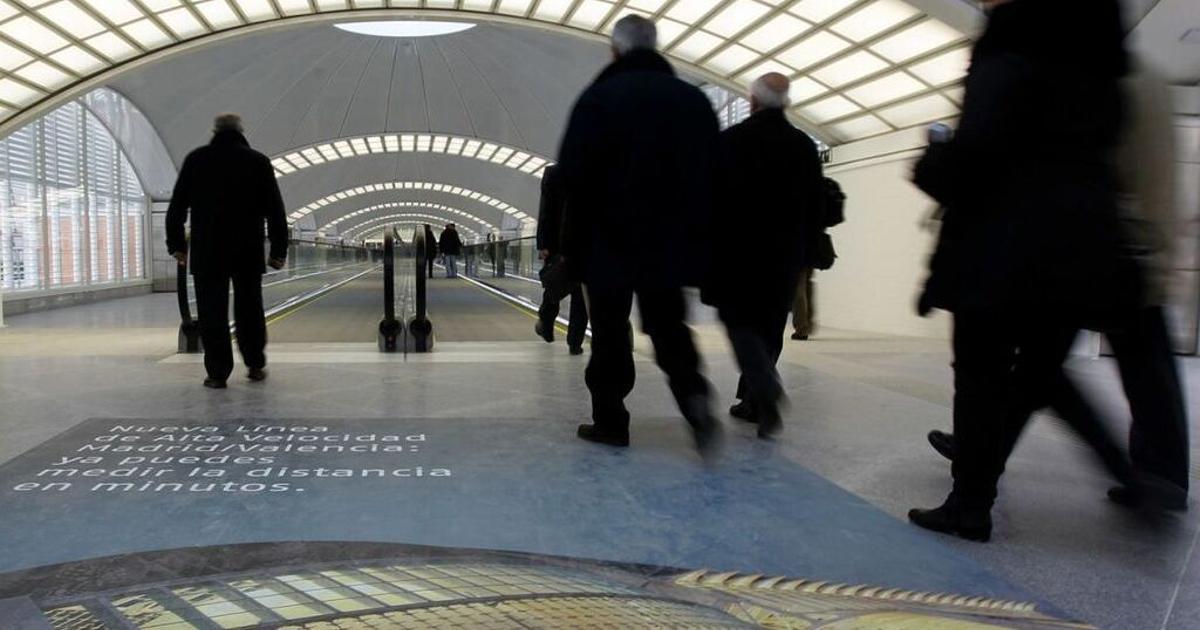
(321, 586)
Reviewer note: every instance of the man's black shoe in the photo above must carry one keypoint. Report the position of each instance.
(949, 519)
(706, 429)
(257, 374)
(744, 411)
(943, 443)
(544, 331)
(214, 383)
(770, 423)
(799, 337)
(1160, 495)
(591, 433)
(575, 350)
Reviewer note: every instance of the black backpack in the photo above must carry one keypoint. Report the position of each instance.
(834, 210)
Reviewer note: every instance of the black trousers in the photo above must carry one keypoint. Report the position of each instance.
(610, 372)
(1004, 371)
(577, 320)
(756, 335)
(212, 303)
(429, 263)
(1158, 438)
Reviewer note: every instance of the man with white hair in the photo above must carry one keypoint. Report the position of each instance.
(637, 164)
(231, 193)
(771, 182)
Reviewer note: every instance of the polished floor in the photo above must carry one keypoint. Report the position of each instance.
(824, 502)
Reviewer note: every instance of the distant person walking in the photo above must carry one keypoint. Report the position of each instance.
(638, 162)
(555, 283)
(231, 194)
(431, 249)
(771, 180)
(451, 247)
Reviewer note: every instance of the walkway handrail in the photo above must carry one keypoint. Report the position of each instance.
(189, 329)
(389, 329)
(420, 329)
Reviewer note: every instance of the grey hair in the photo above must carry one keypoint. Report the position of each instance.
(634, 32)
(228, 122)
(771, 96)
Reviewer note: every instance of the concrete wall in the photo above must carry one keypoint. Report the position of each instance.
(883, 246)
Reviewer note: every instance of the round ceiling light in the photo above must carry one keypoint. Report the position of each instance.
(405, 28)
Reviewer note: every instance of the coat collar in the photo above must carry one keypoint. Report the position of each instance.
(637, 61)
(226, 137)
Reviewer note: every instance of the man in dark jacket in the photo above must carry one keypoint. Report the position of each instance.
(231, 192)
(1030, 249)
(451, 247)
(771, 177)
(555, 284)
(638, 162)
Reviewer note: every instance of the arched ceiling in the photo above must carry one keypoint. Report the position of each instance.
(861, 66)
(306, 88)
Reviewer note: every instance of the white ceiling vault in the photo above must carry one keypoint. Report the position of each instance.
(481, 109)
(862, 67)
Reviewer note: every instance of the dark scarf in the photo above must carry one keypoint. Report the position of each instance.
(636, 61)
(1084, 37)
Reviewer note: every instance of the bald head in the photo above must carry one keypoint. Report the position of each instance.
(770, 91)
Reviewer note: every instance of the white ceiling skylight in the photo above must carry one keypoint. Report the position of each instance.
(475, 148)
(402, 219)
(421, 205)
(405, 28)
(403, 187)
(862, 67)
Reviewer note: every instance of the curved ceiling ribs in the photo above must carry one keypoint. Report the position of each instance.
(860, 67)
(498, 153)
(451, 211)
(358, 230)
(409, 186)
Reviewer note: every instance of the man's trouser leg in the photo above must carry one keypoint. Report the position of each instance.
(804, 306)
(212, 305)
(664, 315)
(1040, 382)
(984, 354)
(250, 319)
(1158, 438)
(610, 372)
(549, 308)
(578, 320)
(757, 339)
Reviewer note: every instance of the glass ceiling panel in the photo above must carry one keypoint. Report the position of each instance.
(837, 46)
(406, 205)
(515, 158)
(401, 187)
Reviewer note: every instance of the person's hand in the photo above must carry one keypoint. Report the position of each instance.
(180, 257)
(276, 263)
(543, 254)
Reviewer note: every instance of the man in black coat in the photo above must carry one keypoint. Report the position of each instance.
(638, 162)
(451, 247)
(1031, 245)
(231, 192)
(771, 179)
(555, 284)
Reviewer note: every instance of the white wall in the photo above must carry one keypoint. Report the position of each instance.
(882, 252)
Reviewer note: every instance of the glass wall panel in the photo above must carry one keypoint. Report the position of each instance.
(72, 211)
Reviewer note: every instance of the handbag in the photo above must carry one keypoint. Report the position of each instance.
(823, 254)
(554, 278)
